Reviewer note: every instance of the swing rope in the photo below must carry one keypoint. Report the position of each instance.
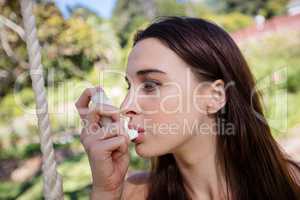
(52, 187)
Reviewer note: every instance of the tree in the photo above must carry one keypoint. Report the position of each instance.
(268, 8)
(129, 14)
(71, 47)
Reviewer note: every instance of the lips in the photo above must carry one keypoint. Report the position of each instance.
(136, 127)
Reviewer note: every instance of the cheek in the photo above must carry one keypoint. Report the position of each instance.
(168, 121)
(170, 114)
(164, 132)
(175, 111)
(167, 100)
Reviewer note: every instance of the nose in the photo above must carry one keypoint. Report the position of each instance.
(129, 113)
(129, 107)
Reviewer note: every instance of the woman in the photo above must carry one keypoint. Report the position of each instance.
(189, 76)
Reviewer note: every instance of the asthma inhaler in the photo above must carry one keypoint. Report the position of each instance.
(100, 97)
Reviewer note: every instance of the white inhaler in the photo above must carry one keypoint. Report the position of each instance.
(100, 97)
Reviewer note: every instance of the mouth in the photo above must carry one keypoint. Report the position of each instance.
(140, 130)
(136, 127)
(139, 138)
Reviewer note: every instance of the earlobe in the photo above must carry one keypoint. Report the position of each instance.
(215, 107)
(209, 109)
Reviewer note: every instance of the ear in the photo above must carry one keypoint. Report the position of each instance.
(217, 96)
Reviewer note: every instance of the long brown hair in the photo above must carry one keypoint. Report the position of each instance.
(251, 161)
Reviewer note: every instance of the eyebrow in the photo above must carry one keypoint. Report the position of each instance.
(147, 71)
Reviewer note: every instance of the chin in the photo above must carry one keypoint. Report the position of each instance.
(143, 151)
(148, 151)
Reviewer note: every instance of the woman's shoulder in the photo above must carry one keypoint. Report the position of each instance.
(136, 186)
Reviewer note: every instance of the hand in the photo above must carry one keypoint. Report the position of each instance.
(107, 147)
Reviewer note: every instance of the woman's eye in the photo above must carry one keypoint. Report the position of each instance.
(150, 86)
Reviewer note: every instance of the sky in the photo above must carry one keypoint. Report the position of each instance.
(101, 7)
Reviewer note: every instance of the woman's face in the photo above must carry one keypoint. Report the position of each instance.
(164, 98)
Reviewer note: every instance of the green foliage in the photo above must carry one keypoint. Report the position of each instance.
(127, 15)
(26, 96)
(293, 78)
(79, 44)
(9, 190)
(136, 162)
(170, 7)
(31, 149)
(15, 104)
(275, 52)
(274, 59)
(77, 182)
(14, 152)
(70, 48)
(231, 22)
(28, 150)
(267, 8)
(9, 108)
(293, 109)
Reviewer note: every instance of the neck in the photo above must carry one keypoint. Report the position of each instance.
(196, 160)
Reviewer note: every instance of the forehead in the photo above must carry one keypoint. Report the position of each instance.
(151, 53)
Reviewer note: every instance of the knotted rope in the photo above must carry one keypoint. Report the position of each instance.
(52, 187)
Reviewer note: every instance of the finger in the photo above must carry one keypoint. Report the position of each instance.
(122, 150)
(105, 110)
(117, 127)
(123, 147)
(92, 131)
(90, 128)
(108, 148)
(84, 100)
(83, 136)
(113, 129)
(114, 143)
(100, 134)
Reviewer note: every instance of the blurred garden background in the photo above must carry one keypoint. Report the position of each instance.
(81, 40)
